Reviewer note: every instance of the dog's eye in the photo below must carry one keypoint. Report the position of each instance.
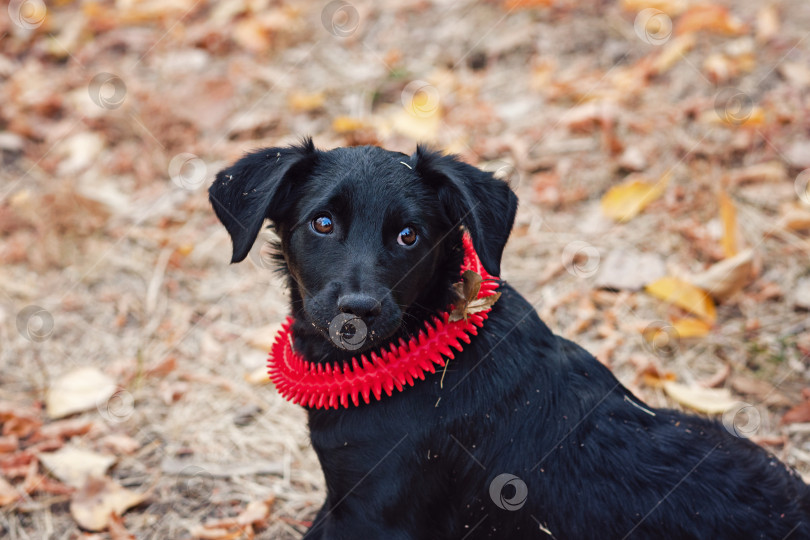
(407, 236)
(323, 224)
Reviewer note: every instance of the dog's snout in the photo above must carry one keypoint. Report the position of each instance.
(362, 305)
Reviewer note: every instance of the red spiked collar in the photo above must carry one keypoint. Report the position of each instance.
(318, 386)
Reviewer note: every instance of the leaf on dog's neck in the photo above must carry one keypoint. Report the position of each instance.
(466, 292)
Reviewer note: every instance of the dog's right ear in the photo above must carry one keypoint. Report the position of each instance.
(256, 187)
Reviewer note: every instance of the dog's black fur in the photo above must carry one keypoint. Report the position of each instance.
(419, 464)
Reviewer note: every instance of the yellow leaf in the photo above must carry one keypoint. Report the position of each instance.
(684, 295)
(755, 117)
(306, 102)
(347, 124)
(670, 7)
(625, 201)
(258, 376)
(415, 127)
(728, 215)
(705, 400)
(690, 327)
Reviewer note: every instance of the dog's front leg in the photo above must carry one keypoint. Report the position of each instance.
(370, 465)
(353, 521)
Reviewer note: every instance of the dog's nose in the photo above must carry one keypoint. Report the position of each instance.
(359, 304)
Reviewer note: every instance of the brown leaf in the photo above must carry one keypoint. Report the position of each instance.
(64, 429)
(255, 511)
(760, 390)
(92, 504)
(117, 529)
(9, 444)
(469, 286)
(798, 414)
(712, 18)
(17, 420)
(466, 292)
(510, 5)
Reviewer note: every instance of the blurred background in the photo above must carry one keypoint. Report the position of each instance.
(660, 150)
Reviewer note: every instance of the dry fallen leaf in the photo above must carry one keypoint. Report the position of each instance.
(684, 295)
(255, 513)
(118, 443)
(92, 505)
(652, 376)
(64, 429)
(17, 420)
(769, 171)
(347, 124)
(712, 18)
(8, 494)
(670, 7)
(794, 217)
(73, 465)
(78, 390)
(9, 443)
(628, 199)
(252, 35)
(798, 414)
(510, 5)
(690, 327)
(767, 26)
(673, 52)
(466, 292)
(302, 102)
(801, 293)
(728, 216)
(117, 529)
(263, 337)
(419, 128)
(724, 279)
(705, 400)
(258, 376)
(760, 390)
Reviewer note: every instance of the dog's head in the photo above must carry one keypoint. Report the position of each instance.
(368, 237)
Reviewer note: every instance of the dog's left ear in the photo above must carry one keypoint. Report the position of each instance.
(474, 198)
(258, 186)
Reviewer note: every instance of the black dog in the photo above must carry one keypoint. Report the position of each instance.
(527, 435)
